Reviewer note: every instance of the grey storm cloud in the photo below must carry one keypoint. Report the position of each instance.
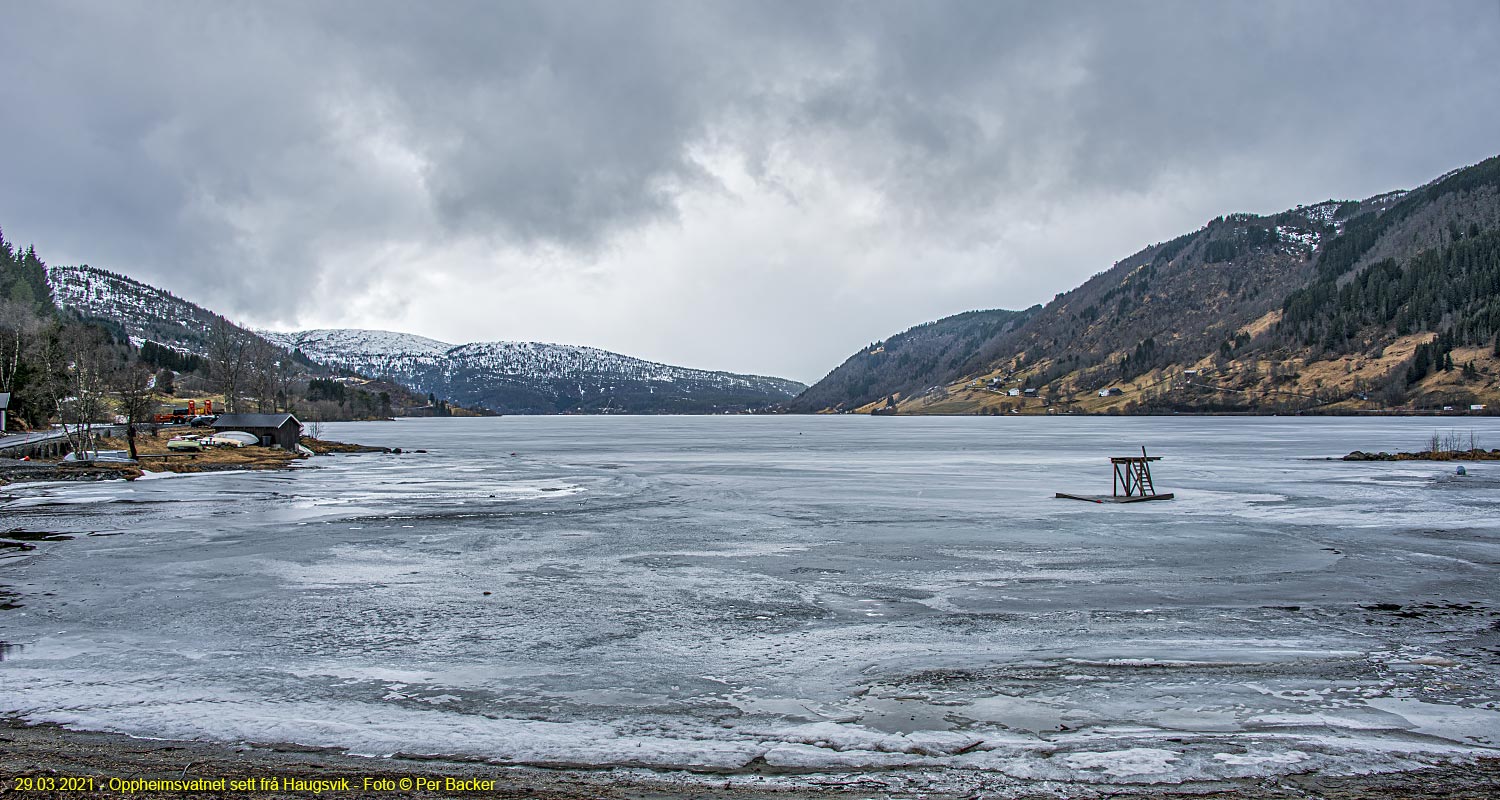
(218, 149)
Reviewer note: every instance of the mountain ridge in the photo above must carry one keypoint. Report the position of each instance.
(906, 362)
(508, 377)
(144, 312)
(1213, 301)
(536, 377)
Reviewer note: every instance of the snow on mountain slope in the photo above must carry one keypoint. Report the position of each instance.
(534, 377)
(144, 311)
(581, 363)
(517, 377)
(335, 341)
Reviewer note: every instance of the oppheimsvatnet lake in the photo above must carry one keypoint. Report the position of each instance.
(821, 593)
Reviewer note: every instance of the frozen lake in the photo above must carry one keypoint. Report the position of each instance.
(826, 594)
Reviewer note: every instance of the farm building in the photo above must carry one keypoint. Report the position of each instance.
(277, 429)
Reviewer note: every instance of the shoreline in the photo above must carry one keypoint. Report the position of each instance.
(13, 471)
(48, 750)
(1427, 455)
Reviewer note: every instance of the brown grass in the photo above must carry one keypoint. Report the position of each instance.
(209, 460)
(323, 446)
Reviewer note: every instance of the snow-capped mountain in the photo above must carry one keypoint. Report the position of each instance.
(532, 377)
(366, 352)
(511, 377)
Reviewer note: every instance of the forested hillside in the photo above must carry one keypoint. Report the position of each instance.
(927, 355)
(341, 374)
(140, 312)
(23, 278)
(1389, 302)
(112, 346)
(26, 313)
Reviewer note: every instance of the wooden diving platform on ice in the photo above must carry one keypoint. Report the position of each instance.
(1105, 498)
(1132, 483)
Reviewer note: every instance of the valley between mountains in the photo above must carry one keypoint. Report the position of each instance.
(1391, 303)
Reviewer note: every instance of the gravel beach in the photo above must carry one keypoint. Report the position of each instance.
(47, 751)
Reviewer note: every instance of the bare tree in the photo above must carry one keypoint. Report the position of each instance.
(261, 379)
(135, 394)
(24, 372)
(228, 354)
(89, 354)
(19, 328)
(47, 375)
(286, 373)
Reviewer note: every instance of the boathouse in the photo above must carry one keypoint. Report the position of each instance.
(278, 429)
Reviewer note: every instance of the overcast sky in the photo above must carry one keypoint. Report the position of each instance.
(752, 186)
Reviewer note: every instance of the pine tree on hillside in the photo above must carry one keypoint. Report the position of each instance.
(23, 278)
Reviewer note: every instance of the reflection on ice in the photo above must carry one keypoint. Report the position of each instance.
(829, 594)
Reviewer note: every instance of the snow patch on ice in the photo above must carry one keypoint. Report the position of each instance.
(1127, 763)
(1262, 758)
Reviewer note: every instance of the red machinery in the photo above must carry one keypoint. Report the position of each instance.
(182, 416)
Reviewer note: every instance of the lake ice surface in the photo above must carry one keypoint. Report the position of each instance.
(814, 594)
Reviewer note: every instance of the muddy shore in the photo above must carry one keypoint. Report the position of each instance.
(47, 751)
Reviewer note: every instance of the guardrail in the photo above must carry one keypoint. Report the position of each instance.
(48, 444)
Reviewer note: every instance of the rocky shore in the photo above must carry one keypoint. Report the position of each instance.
(155, 457)
(13, 470)
(46, 751)
(1427, 455)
